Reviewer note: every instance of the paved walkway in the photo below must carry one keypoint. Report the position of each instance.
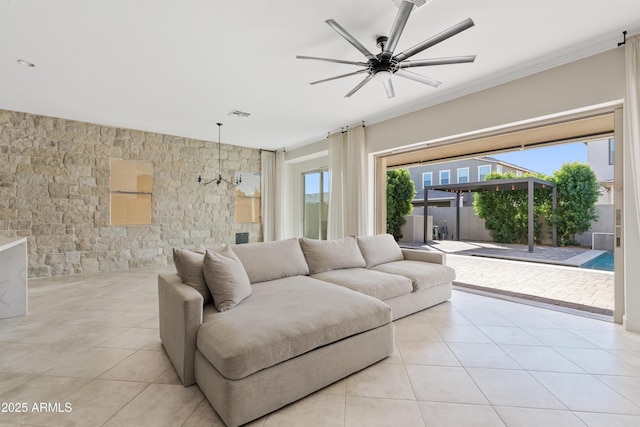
(536, 279)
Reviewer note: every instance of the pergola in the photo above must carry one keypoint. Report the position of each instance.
(512, 184)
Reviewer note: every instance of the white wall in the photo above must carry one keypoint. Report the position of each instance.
(591, 81)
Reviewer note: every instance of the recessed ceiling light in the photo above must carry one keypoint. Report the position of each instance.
(26, 63)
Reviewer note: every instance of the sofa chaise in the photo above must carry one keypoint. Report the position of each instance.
(260, 325)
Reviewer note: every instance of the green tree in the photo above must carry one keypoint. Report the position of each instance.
(578, 192)
(506, 212)
(400, 193)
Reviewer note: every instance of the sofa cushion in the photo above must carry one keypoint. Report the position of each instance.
(226, 279)
(369, 282)
(283, 319)
(189, 268)
(272, 260)
(423, 275)
(325, 255)
(379, 249)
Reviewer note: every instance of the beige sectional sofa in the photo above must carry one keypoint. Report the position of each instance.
(258, 326)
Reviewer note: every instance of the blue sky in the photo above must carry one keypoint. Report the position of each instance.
(547, 159)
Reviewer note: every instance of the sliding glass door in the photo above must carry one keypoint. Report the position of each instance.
(316, 204)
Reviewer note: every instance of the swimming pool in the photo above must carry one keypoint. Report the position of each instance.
(601, 262)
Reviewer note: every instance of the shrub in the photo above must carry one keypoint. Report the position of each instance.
(578, 192)
(400, 193)
(506, 212)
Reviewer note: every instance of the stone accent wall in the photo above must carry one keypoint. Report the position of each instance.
(54, 189)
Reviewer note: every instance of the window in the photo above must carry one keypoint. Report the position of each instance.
(427, 179)
(499, 168)
(483, 171)
(612, 151)
(444, 177)
(316, 204)
(463, 175)
(130, 192)
(519, 173)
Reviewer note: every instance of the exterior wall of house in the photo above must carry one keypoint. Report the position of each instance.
(472, 167)
(54, 190)
(601, 161)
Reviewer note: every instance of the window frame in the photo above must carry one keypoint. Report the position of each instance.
(480, 178)
(458, 175)
(448, 172)
(430, 179)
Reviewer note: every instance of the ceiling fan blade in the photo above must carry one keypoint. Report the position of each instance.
(404, 11)
(348, 37)
(359, 86)
(437, 61)
(418, 78)
(388, 87)
(337, 61)
(339, 77)
(450, 32)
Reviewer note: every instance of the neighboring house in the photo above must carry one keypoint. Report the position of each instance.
(601, 155)
(457, 172)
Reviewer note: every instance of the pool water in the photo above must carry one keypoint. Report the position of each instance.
(602, 262)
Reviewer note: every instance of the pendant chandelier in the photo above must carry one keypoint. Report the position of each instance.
(235, 181)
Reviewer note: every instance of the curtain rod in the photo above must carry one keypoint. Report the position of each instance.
(624, 39)
(344, 129)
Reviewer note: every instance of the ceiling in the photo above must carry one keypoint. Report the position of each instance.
(178, 67)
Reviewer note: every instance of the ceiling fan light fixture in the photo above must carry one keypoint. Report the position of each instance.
(382, 75)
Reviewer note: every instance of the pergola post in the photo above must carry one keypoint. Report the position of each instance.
(457, 215)
(530, 219)
(425, 217)
(554, 202)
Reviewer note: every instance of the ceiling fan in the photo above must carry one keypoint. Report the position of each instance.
(385, 64)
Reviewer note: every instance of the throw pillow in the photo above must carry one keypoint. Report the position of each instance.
(379, 249)
(272, 260)
(226, 278)
(189, 268)
(325, 255)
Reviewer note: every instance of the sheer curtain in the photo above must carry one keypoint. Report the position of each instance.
(347, 198)
(631, 186)
(355, 195)
(335, 229)
(281, 188)
(268, 194)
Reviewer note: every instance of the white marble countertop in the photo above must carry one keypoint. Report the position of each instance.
(9, 242)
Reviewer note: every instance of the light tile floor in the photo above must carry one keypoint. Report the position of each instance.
(89, 351)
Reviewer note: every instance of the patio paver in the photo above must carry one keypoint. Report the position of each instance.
(571, 287)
